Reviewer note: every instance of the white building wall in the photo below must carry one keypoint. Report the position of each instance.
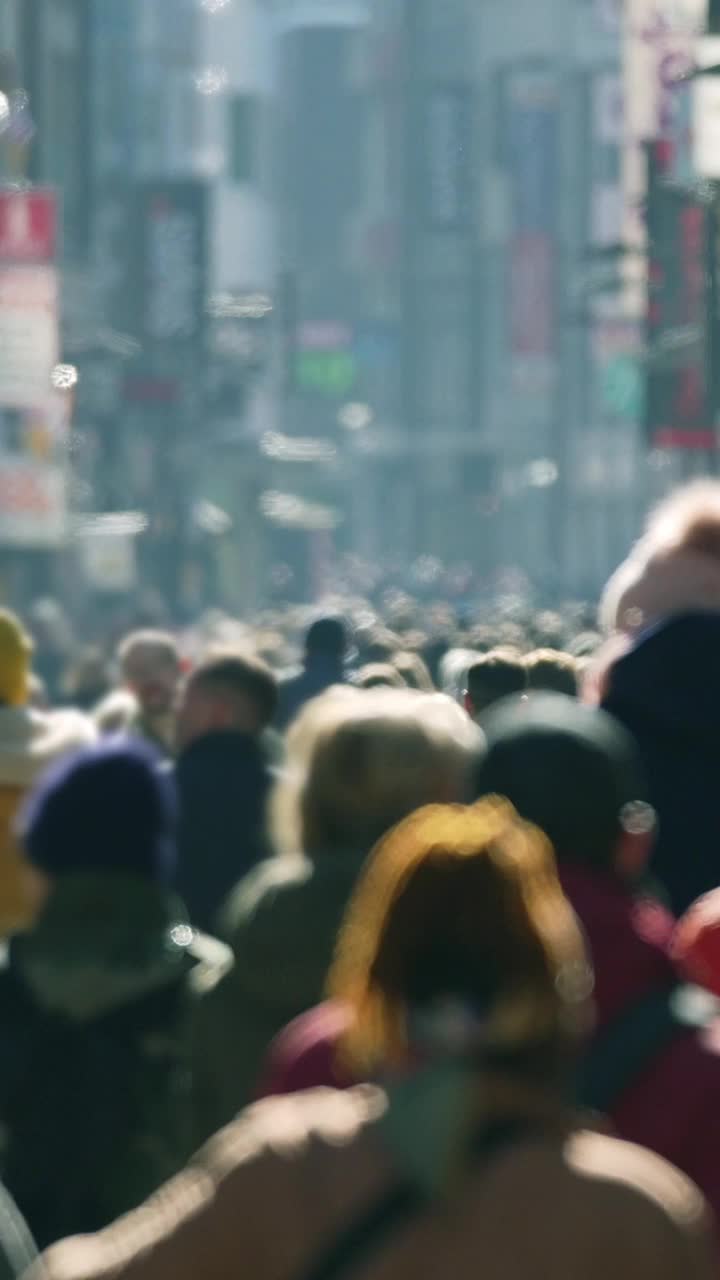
(235, 60)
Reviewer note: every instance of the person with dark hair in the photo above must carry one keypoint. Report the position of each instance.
(465, 980)
(96, 1000)
(326, 649)
(223, 775)
(493, 676)
(576, 773)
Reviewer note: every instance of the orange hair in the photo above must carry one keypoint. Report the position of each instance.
(460, 903)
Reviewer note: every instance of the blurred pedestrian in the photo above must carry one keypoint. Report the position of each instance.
(151, 671)
(461, 960)
(552, 671)
(666, 690)
(357, 763)
(96, 999)
(491, 677)
(326, 650)
(223, 776)
(575, 772)
(30, 741)
(674, 568)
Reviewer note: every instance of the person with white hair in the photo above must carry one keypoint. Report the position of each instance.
(358, 762)
(675, 566)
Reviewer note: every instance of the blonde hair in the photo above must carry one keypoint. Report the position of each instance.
(466, 903)
(360, 761)
(554, 670)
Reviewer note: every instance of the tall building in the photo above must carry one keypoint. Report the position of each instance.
(497, 185)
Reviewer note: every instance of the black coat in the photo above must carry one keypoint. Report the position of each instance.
(317, 676)
(223, 780)
(666, 691)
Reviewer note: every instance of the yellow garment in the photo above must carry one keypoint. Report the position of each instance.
(15, 655)
(16, 910)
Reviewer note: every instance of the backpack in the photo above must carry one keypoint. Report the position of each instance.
(94, 1113)
(627, 1046)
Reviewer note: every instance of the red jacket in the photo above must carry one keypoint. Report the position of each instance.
(674, 1108)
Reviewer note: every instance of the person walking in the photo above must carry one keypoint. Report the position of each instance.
(97, 998)
(466, 978)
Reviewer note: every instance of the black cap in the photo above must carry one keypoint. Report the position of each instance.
(569, 769)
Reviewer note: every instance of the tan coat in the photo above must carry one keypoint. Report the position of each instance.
(268, 1194)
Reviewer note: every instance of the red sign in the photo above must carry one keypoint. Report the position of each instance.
(28, 226)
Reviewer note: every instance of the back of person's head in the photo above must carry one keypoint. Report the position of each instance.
(228, 691)
(378, 645)
(144, 651)
(327, 638)
(575, 772)
(379, 675)
(552, 671)
(675, 566)
(109, 808)
(458, 939)
(358, 764)
(494, 676)
(16, 650)
(413, 670)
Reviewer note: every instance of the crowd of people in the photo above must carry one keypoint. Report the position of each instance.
(384, 941)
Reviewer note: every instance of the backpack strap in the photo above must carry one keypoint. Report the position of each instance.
(366, 1234)
(628, 1045)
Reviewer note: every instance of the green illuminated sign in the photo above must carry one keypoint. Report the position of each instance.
(326, 373)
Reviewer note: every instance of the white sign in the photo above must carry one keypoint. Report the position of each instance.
(33, 503)
(29, 346)
(109, 561)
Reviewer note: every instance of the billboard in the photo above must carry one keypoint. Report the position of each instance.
(530, 123)
(33, 502)
(28, 335)
(681, 233)
(28, 225)
(168, 266)
(447, 187)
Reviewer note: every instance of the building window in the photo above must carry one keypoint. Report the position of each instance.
(243, 128)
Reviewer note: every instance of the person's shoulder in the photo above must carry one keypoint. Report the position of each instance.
(639, 1179)
(287, 1130)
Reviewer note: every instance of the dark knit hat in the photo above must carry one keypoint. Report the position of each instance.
(327, 636)
(570, 769)
(108, 808)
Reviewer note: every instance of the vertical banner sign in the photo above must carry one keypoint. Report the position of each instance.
(679, 393)
(447, 177)
(530, 117)
(173, 264)
(32, 483)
